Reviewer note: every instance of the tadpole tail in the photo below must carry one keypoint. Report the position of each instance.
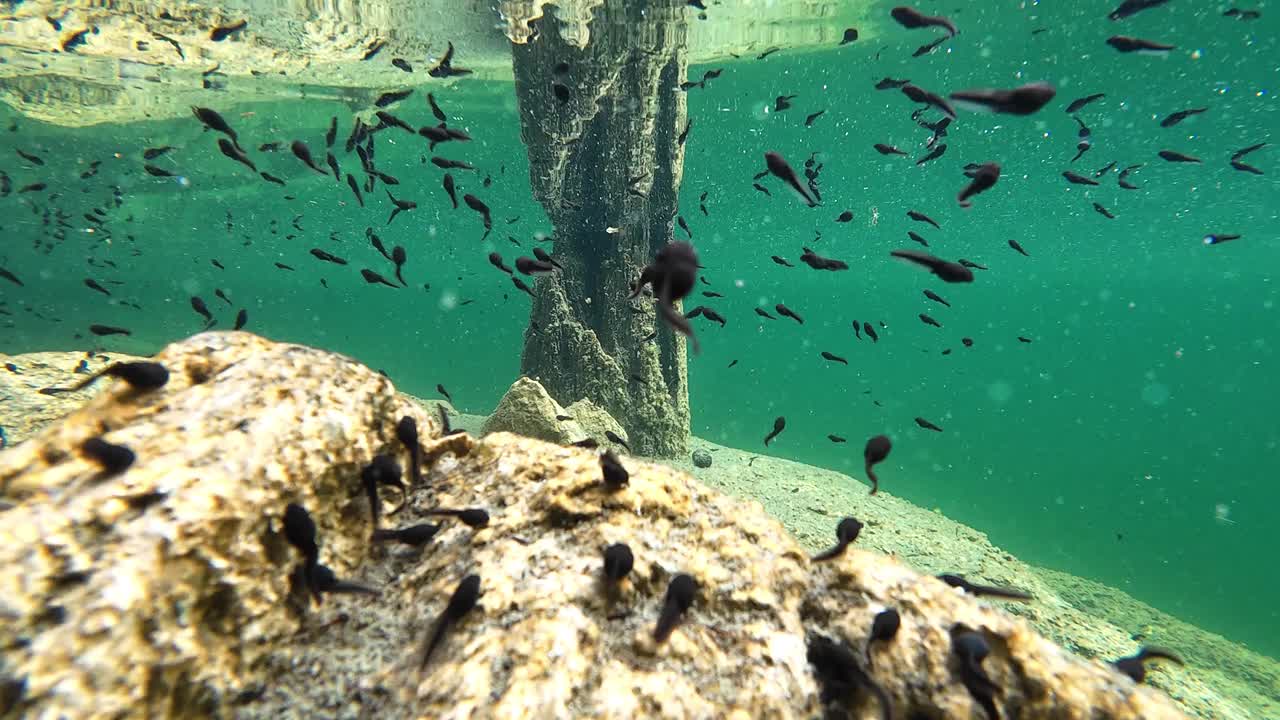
(667, 622)
(679, 324)
(86, 382)
(434, 639)
(415, 455)
(371, 491)
(1002, 593)
(828, 554)
(352, 588)
(1158, 653)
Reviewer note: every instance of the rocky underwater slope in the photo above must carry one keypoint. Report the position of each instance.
(170, 585)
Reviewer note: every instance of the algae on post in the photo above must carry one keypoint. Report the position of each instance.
(603, 120)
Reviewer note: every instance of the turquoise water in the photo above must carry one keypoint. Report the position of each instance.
(1133, 441)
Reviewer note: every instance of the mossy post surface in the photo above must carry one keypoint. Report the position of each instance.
(605, 161)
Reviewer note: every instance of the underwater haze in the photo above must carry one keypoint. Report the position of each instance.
(1114, 415)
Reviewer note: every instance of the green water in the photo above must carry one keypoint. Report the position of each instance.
(1133, 441)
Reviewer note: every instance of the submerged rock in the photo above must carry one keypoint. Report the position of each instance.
(161, 592)
(24, 410)
(701, 458)
(595, 421)
(154, 592)
(526, 409)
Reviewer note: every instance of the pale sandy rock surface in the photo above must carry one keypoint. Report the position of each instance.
(543, 643)
(162, 588)
(1222, 679)
(549, 642)
(527, 409)
(595, 421)
(26, 410)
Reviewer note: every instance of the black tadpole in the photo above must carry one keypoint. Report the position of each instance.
(618, 561)
(1135, 665)
(781, 169)
(672, 273)
(984, 590)
(947, 271)
(382, 470)
(399, 257)
(884, 627)
(613, 437)
(446, 428)
(300, 531)
(877, 449)
(970, 649)
(141, 375)
(113, 459)
(846, 532)
(462, 601)
(471, 517)
(680, 594)
(407, 433)
(414, 535)
(614, 475)
(779, 424)
(836, 667)
(322, 580)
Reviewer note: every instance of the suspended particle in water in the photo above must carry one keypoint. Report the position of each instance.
(1222, 514)
(1000, 392)
(1155, 394)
